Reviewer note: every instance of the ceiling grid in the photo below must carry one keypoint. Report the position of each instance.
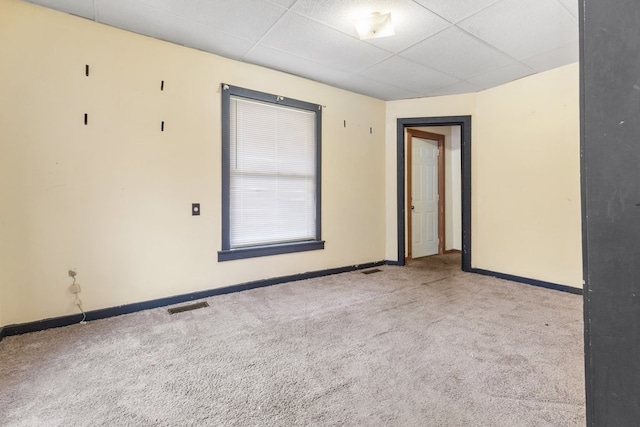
(440, 47)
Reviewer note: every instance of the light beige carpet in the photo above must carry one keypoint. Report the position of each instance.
(423, 345)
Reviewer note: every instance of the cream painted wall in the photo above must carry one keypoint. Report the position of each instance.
(525, 174)
(527, 177)
(113, 198)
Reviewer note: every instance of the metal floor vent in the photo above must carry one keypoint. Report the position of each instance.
(374, 270)
(189, 307)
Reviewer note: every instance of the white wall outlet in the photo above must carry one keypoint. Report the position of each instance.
(74, 288)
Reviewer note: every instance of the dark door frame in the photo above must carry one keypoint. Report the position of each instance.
(413, 133)
(465, 145)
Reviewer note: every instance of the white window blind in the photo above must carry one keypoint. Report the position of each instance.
(272, 197)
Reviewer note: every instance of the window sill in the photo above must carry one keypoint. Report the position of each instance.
(258, 251)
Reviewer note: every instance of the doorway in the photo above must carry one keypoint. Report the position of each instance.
(464, 122)
(425, 193)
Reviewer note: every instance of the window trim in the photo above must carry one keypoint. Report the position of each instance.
(227, 253)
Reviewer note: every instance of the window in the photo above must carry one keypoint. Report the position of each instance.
(270, 174)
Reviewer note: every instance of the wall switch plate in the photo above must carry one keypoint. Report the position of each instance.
(195, 209)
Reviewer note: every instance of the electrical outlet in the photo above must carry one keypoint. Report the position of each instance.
(74, 288)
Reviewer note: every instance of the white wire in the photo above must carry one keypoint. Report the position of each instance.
(84, 315)
(79, 303)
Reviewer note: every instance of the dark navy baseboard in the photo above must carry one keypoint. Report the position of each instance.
(57, 322)
(534, 282)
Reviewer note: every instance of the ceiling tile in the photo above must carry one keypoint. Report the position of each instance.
(563, 55)
(492, 41)
(283, 3)
(571, 6)
(523, 28)
(375, 89)
(141, 19)
(457, 53)
(402, 73)
(501, 76)
(248, 19)
(411, 21)
(455, 10)
(310, 40)
(82, 8)
(455, 89)
(274, 59)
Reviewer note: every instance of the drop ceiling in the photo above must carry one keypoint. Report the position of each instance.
(441, 47)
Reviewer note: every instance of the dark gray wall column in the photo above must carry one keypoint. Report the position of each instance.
(610, 109)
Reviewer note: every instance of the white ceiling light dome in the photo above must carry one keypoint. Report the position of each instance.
(374, 25)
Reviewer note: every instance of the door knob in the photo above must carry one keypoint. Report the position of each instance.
(412, 207)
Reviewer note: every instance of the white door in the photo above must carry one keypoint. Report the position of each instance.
(424, 197)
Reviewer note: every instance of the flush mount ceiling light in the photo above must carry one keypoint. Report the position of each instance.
(374, 25)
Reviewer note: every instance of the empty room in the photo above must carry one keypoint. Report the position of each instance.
(291, 212)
